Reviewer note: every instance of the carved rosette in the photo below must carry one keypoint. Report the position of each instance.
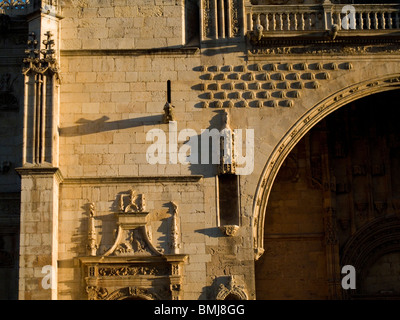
(229, 230)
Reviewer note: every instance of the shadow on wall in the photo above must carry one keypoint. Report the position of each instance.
(85, 126)
(201, 167)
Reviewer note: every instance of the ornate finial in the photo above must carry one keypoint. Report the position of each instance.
(48, 52)
(40, 61)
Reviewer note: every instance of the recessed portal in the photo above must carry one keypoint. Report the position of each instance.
(340, 179)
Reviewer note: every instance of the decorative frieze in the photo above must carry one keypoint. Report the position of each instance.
(133, 270)
(311, 48)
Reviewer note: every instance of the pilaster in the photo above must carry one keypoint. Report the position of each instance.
(40, 176)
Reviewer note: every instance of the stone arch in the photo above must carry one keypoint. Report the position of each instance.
(367, 245)
(132, 293)
(296, 133)
(233, 291)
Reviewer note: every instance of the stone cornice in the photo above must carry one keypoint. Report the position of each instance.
(40, 171)
(171, 258)
(131, 52)
(129, 180)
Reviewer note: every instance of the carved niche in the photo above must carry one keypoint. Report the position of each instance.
(133, 268)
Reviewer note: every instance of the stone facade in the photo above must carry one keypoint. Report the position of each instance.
(84, 86)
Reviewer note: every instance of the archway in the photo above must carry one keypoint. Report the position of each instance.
(329, 185)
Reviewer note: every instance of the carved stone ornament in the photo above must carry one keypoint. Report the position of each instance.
(92, 241)
(175, 230)
(133, 259)
(41, 61)
(229, 230)
(232, 289)
(168, 113)
(324, 47)
(133, 292)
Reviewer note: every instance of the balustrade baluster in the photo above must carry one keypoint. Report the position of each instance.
(376, 20)
(281, 21)
(382, 15)
(390, 20)
(302, 21)
(258, 21)
(338, 20)
(361, 21)
(288, 21)
(368, 20)
(273, 22)
(397, 20)
(264, 21)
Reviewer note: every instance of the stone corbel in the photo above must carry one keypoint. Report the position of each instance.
(168, 113)
(229, 230)
(255, 36)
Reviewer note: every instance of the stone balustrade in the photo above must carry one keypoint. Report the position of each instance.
(300, 18)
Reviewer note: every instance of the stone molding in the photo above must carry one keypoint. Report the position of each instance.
(131, 180)
(130, 52)
(40, 171)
